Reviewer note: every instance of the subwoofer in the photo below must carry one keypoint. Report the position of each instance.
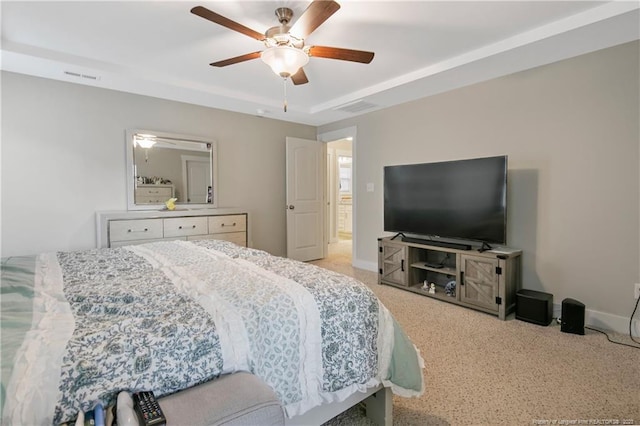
(572, 319)
(534, 306)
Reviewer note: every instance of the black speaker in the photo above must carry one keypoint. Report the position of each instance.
(572, 319)
(534, 306)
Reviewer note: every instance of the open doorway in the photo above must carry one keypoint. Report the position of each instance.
(340, 192)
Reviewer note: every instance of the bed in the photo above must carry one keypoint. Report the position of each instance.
(79, 327)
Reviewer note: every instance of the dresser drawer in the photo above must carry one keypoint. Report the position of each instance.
(239, 238)
(184, 226)
(151, 199)
(230, 223)
(133, 242)
(151, 194)
(150, 191)
(130, 230)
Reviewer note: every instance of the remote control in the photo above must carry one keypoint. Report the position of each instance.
(148, 409)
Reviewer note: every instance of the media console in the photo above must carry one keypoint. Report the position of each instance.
(484, 280)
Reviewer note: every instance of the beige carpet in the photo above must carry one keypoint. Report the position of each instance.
(484, 371)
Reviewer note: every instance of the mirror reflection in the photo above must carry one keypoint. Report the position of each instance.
(344, 163)
(165, 166)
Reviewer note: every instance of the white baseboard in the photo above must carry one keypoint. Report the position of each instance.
(367, 266)
(595, 319)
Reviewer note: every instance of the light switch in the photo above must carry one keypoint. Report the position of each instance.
(370, 187)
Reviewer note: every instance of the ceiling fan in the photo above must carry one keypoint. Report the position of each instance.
(285, 51)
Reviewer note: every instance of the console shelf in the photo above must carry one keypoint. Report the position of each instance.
(486, 281)
(446, 271)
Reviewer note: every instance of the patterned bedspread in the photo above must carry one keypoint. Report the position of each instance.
(169, 315)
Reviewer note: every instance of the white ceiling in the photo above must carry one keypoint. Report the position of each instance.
(159, 48)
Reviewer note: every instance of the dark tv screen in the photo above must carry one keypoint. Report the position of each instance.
(463, 199)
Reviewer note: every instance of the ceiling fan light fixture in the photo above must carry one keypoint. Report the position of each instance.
(285, 61)
(145, 141)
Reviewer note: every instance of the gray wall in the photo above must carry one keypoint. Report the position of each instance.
(571, 131)
(63, 159)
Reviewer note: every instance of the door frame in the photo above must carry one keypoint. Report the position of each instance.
(334, 135)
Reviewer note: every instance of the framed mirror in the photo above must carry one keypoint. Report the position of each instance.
(163, 165)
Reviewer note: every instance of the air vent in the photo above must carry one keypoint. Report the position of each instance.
(357, 106)
(77, 74)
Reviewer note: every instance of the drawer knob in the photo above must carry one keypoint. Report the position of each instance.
(233, 224)
(194, 227)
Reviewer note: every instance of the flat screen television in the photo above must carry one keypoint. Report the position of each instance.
(462, 199)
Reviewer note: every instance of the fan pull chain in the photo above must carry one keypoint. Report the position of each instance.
(284, 81)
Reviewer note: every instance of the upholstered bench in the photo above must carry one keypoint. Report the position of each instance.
(231, 400)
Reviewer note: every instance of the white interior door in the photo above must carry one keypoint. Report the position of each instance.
(305, 195)
(197, 179)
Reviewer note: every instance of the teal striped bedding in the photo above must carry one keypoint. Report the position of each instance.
(16, 296)
(79, 327)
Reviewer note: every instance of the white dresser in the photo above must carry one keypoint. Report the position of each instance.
(153, 194)
(136, 227)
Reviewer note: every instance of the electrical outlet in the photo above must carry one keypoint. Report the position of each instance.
(636, 291)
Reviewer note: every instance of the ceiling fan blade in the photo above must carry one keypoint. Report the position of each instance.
(205, 13)
(342, 54)
(317, 12)
(300, 77)
(236, 60)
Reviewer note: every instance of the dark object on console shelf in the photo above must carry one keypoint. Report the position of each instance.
(572, 319)
(437, 243)
(534, 306)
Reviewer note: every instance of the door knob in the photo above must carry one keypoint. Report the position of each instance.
(291, 207)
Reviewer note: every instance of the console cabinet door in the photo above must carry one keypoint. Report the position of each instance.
(480, 282)
(393, 263)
